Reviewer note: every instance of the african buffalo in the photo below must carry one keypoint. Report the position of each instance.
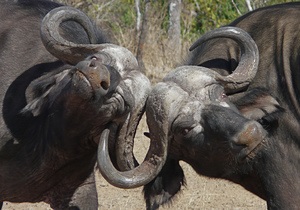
(62, 84)
(230, 116)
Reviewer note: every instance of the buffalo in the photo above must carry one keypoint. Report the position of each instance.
(63, 84)
(232, 111)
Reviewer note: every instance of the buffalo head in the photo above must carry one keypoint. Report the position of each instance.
(62, 88)
(110, 75)
(191, 112)
(102, 90)
(193, 102)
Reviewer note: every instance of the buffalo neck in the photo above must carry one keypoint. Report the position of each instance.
(279, 174)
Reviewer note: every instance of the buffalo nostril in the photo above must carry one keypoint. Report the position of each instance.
(92, 63)
(250, 137)
(104, 85)
(253, 132)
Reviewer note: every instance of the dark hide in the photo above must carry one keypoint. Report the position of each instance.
(165, 185)
(48, 129)
(272, 99)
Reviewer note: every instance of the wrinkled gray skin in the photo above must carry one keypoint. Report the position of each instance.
(61, 87)
(215, 134)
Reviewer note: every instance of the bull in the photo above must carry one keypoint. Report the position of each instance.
(233, 110)
(62, 85)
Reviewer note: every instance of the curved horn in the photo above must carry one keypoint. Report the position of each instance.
(247, 67)
(141, 87)
(136, 177)
(154, 159)
(56, 44)
(118, 57)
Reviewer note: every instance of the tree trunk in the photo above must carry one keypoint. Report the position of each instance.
(138, 16)
(143, 36)
(174, 38)
(248, 3)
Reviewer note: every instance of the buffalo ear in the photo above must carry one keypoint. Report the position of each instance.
(42, 92)
(261, 106)
(35, 106)
(163, 188)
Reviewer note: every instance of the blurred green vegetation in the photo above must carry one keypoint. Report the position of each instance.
(212, 14)
(198, 16)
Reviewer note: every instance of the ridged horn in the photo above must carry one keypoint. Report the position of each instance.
(70, 52)
(248, 65)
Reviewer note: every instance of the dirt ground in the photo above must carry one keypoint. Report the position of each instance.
(201, 193)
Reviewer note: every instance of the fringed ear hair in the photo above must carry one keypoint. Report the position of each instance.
(42, 92)
(261, 106)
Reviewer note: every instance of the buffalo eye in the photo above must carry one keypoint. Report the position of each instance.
(185, 131)
(224, 96)
(217, 93)
(182, 127)
(194, 136)
(182, 130)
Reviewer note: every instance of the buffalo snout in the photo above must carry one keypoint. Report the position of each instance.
(225, 124)
(251, 135)
(100, 77)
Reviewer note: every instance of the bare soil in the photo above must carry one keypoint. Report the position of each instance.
(200, 192)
